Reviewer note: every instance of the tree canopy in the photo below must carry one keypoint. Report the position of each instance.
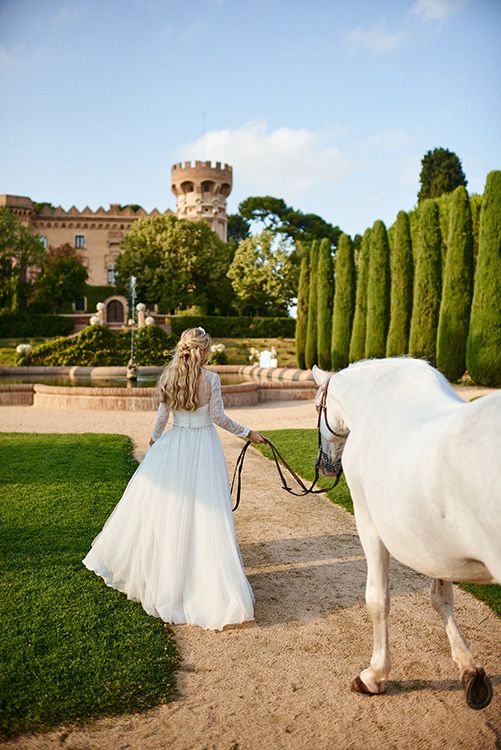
(263, 276)
(278, 217)
(177, 264)
(62, 279)
(441, 172)
(20, 249)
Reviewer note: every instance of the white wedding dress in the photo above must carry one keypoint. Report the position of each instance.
(170, 542)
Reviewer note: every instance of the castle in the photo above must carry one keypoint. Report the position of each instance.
(201, 192)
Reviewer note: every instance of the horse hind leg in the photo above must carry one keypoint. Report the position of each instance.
(475, 682)
(372, 680)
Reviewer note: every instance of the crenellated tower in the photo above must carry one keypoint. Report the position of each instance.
(201, 192)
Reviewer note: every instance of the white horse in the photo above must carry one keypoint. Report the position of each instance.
(424, 472)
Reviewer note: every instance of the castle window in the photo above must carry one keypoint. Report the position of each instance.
(111, 273)
(79, 241)
(80, 304)
(44, 241)
(208, 186)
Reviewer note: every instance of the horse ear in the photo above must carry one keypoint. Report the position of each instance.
(319, 376)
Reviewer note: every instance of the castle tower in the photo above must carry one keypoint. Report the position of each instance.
(201, 192)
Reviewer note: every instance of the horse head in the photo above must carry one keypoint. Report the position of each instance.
(333, 431)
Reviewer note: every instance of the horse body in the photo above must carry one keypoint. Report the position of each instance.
(423, 470)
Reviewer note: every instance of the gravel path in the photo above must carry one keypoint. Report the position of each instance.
(283, 681)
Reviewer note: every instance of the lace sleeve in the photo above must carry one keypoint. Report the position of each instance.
(162, 417)
(216, 408)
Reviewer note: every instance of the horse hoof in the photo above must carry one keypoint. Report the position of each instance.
(478, 688)
(360, 687)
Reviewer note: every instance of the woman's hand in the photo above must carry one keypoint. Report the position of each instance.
(256, 437)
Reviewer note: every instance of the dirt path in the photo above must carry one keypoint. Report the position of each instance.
(283, 682)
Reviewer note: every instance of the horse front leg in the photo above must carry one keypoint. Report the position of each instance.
(475, 682)
(377, 597)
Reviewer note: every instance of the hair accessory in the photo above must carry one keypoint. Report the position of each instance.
(202, 330)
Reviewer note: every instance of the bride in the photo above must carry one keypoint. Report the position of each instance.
(170, 542)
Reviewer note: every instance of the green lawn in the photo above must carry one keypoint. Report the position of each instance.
(299, 448)
(237, 350)
(70, 647)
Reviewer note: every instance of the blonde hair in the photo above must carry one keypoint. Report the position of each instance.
(178, 384)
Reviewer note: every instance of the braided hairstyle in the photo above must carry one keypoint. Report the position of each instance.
(178, 384)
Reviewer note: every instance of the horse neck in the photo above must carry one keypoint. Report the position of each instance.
(353, 386)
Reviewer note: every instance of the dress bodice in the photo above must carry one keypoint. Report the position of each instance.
(192, 419)
(211, 411)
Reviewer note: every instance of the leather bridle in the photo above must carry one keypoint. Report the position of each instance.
(281, 462)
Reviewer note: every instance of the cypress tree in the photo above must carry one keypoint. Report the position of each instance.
(427, 285)
(344, 303)
(402, 271)
(310, 353)
(483, 349)
(302, 309)
(325, 283)
(357, 343)
(457, 289)
(378, 292)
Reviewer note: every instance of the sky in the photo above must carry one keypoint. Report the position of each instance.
(328, 104)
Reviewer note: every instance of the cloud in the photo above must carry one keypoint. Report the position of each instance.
(5, 60)
(272, 161)
(436, 10)
(375, 39)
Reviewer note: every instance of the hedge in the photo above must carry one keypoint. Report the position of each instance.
(235, 327)
(97, 346)
(34, 326)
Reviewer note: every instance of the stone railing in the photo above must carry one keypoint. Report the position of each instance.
(270, 384)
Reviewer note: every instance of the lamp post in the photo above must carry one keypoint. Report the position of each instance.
(131, 364)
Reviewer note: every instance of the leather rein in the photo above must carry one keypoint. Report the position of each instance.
(281, 464)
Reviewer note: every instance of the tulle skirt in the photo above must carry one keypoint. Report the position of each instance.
(170, 542)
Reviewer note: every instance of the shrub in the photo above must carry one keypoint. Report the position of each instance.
(457, 289)
(325, 286)
(33, 326)
(483, 349)
(427, 285)
(402, 271)
(312, 328)
(227, 327)
(344, 303)
(152, 345)
(378, 292)
(357, 343)
(302, 310)
(217, 355)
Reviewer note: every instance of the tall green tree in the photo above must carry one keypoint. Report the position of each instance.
(378, 292)
(62, 279)
(344, 303)
(427, 285)
(277, 216)
(20, 252)
(483, 350)
(262, 276)
(441, 172)
(402, 271)
(325, 285)
(457, 289)
(357, 343)
(312, 328)
(177, 264)
(302, 309)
